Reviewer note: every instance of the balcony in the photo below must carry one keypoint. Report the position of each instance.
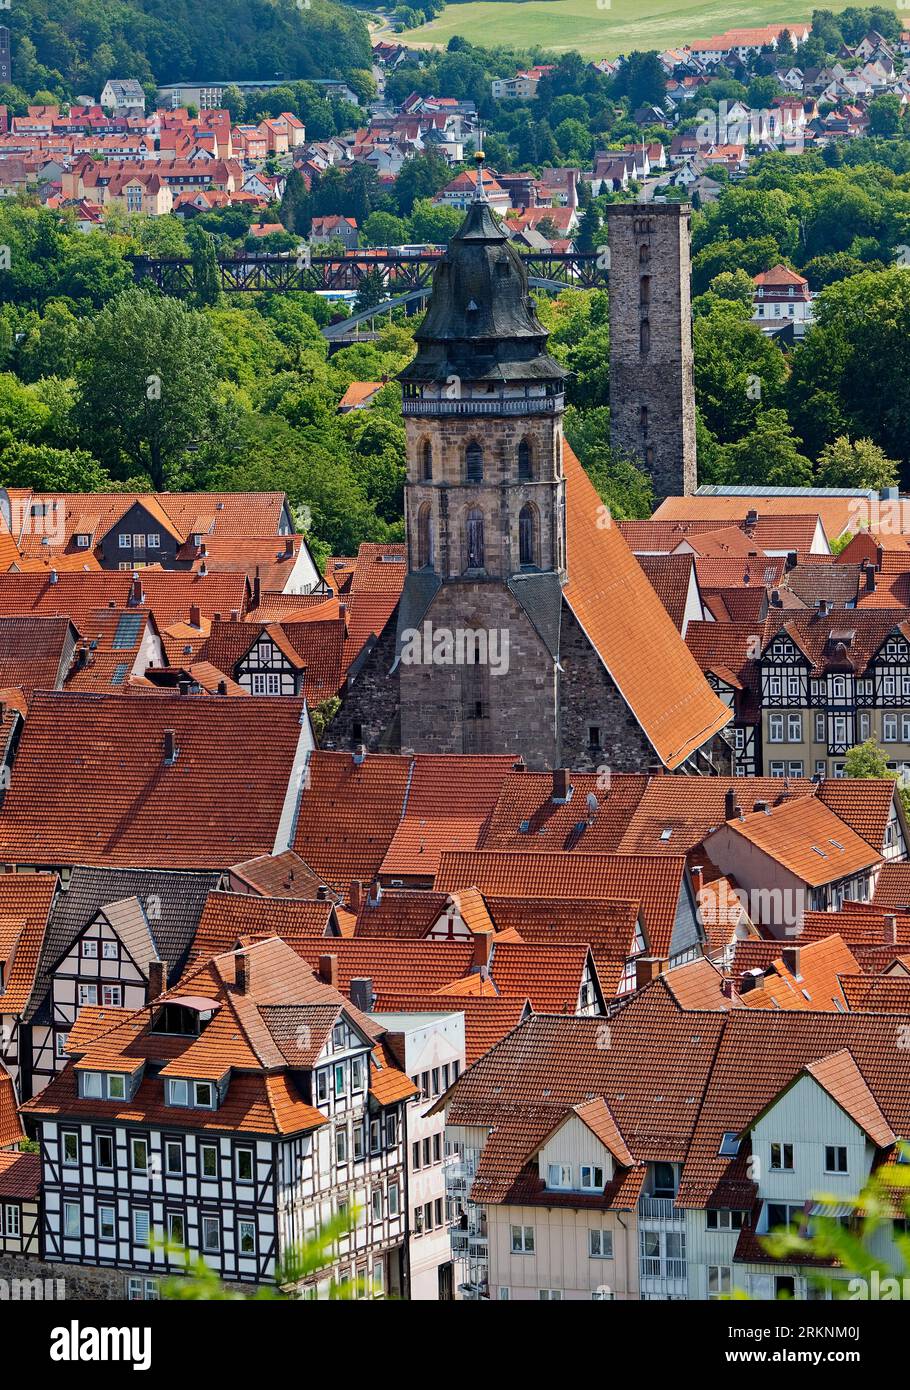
(661, 1209)
(524, 405)
(459, 1241)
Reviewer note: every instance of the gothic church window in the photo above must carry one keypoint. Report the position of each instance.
(426, 461)
(645, 336)
(474, 462)
(424, 536)
(524, 461)
(527, 538)
(644, 297)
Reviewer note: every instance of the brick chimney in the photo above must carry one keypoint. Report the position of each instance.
(483, 949)
(195, 615)
(890, 929)
(870, 576)
(561, 785)
(222, 687)
(241, 972)
(731, 810)
(157, 982)
(791, 561)
(647, 968)
(751, 979)
(355, 896)
(257, 588)
(328, 970)
(136, 594)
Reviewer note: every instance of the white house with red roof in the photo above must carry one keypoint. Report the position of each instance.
(782, 296)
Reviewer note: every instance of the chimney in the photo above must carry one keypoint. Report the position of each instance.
(170, 747)
(361, 994)
(751, 517)
(257, 588)
(791, 561)
(562, 789)
(288, 547)
(235, 615)
(195, 615)
(241, 972)
(760, 806)
(870, 576)
(222, 687)
(374, 897)
(776, 600)
(183, 687)
(647, 968)
(343, 613)
(157, 978)
(731, 810)
(360, 753)
(751, 979)
(321, 893)
(483, 947)
(355, 897)
(890, 929)
(328, 970)
(790, 957)
(217, 617)
(726, 988)
(136, 594)
(824, 607)
(53, 577)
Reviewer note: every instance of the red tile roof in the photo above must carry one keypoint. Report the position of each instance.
(349, 813)
(220, 800)
(11, 1130)
(486, 1019)
(34, 653)
(806, 838)
(25, 904)
(656, 882)
(631, 631)
(227, 917)
(670, 577)
(526, 798)
(892, 887)
(690, 807)
(449, 801)
(20, 1176)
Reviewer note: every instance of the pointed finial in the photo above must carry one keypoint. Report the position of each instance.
(479, 157)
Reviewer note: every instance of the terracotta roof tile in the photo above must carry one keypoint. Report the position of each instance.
(656, 882)
(20, 1176)
(805, 837)
(229, 916)
(11, 1130)
(448, 803)
(670, 577)
(689, 808)
(526, 818)
(25, 905)
(892, 887)
(837, 513)
(349, 813)
(105, 753)
(631, 630)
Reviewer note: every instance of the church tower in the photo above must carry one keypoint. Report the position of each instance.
(485, 508)
(652, 391)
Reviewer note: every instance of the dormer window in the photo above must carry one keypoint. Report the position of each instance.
(559, 1175)
(83, 541)
(196, 1095)
(98, 1085)
(592, 1178)
(184, 1016)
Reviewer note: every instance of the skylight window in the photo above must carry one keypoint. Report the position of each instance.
(666, 833)
(128, 629)
(119, 675)
(729, 1144)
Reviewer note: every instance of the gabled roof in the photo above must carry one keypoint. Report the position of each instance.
(11, 1130)
(173, 904)
(892, 887)
(220, 799)
(34, 652)
(814, 982)
(20, 1176)
(675, 814)
(655, 882)
(806, 838)
(349, 813)
(631, 630)
(606, 925)
(527, 818)
(25, 906)
(670, 576)
(448, 804)
(228, 917)
(283, 875)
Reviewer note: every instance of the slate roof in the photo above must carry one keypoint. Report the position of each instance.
(173, 904)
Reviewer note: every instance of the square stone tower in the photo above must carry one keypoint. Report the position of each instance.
(652, 391)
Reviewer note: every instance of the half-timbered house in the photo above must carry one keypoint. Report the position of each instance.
(234, 1117)
(86, 961)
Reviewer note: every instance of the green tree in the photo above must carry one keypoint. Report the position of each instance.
(867, 759)
(885, 114)
(52, 470)
(855, 463)
(146, 383)
(769, 454)
(371, 290)
(206, 271)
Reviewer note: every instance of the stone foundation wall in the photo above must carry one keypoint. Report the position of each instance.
(80, 1283)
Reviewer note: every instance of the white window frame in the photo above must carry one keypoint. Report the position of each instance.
(600, 1244)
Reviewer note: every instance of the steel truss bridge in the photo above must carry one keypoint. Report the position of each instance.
(402, 272)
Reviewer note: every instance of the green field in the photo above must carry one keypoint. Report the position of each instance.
(618, 27)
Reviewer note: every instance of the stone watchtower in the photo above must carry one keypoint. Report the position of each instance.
(652, 393)
(484, 507)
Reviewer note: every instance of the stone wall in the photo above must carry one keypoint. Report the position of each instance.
(652, 392)
(588, 696)
(81, 1283)
(517, 706)
(499, 497)
(369, 710)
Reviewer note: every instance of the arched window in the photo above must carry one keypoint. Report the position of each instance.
(524, 461)
(644, 254)
(425, 536)
(474, 539)
(644, 336)
(474, 462)
(643, 418)
(426, 461)
(644, 288)
(527, 536)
